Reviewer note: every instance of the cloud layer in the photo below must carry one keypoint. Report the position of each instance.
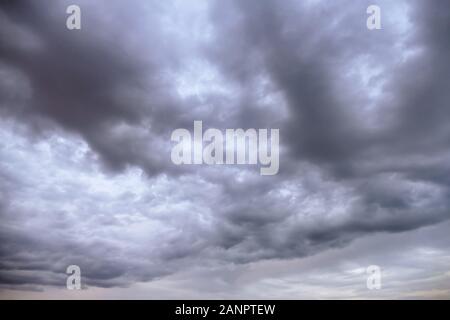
(86, 118)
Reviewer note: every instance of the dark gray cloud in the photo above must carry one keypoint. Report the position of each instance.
(85, 166)
(93, 81)
(326, 117)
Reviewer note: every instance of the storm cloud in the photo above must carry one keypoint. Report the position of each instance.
(86, 118)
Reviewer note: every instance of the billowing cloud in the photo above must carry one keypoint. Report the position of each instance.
(86, 118)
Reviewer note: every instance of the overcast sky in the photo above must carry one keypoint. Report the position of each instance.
(86, 177)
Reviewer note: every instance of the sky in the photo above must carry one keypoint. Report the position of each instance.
(86, 176)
